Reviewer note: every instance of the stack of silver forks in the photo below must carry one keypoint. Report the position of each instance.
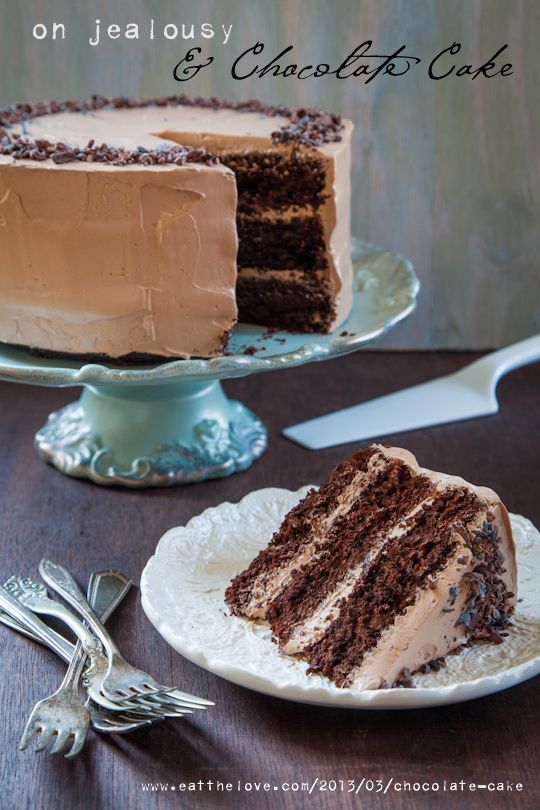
(121, 698)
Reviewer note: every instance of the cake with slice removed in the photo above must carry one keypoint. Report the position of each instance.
(384, 570)
(142, 229)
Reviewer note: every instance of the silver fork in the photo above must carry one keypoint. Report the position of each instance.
(160, 706)
(105, 591)
(15, 598)
(122, 682)
(102, 720)
(32, 627)
(32, 595)
(61, 716)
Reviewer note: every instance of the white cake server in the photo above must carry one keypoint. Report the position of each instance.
(466, 394)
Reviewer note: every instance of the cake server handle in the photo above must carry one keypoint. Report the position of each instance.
(468, 393)
(496, 364)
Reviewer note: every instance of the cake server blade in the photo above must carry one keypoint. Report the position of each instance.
(466, 394)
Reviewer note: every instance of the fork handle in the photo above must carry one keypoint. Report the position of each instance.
(59, 578)
(50, 638)
(29, 620)
(106, 589)
(48, 607)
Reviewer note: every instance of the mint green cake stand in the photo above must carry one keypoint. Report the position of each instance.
(172, 423)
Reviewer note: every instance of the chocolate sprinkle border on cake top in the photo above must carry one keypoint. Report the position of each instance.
(308, 127)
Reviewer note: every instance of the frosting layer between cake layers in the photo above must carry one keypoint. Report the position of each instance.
(386, 568)
(103, 253)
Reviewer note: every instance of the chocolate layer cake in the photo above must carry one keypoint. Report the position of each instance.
(120, 219)
(383, 570)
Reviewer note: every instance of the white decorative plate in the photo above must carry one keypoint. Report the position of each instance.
(182, 591)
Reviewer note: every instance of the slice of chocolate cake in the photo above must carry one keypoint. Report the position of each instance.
(384, 569)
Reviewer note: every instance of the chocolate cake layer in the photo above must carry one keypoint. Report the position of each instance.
(276, 180)
(270, 184)
(281, 244)
(400, 566)
(292, 300)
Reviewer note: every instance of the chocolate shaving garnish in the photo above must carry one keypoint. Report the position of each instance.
(432, 666)
(487, 610)
(309, 127)
(405, 679)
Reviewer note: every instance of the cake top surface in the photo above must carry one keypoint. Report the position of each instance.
(174, 129)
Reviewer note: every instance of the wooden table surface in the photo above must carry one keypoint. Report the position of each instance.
(248, 737)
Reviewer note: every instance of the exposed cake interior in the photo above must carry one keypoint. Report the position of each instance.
(384, 569)
(283, 251)
(293, 220)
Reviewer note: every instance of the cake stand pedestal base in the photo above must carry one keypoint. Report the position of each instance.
(152, 435)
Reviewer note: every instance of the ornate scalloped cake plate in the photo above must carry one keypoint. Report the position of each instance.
(183, 588)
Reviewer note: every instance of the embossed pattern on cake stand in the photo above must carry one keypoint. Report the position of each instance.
(172, 423)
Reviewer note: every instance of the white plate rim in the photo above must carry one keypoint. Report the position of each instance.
(395, 698)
